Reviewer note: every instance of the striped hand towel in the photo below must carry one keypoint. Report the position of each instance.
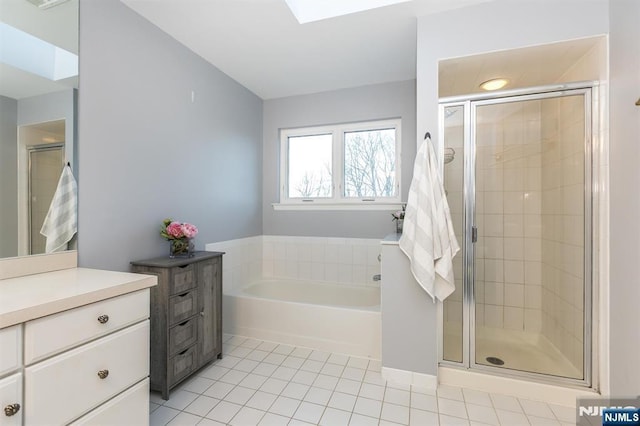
(428, 238)
(61, 222)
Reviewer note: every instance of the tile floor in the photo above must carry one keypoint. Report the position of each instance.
(266, 383)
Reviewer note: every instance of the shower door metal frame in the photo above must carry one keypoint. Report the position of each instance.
(470, 104)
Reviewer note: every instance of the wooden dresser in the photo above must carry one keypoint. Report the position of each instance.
(186, 316)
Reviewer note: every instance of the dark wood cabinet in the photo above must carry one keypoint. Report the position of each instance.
(186, 316)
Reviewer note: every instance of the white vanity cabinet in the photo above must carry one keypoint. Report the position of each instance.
(79, 355)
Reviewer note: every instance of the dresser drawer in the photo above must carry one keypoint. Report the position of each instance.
(183, 335)
(66, 386)
(182, 365)
(183, 278)
(11, 395)
(55, 333)
(10, 349)
(182, 306)
(128, 408)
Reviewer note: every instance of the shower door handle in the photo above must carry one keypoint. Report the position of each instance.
(474, 234)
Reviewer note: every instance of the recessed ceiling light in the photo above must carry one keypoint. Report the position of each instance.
(310, 11)
(494, 84)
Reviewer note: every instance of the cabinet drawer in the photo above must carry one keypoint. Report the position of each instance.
(66, 386)
(10, 394)
(129, 408)
(183, 335)
(182, 364)
(55, 333)
(182, 279)
(182, 307)
(10, 349)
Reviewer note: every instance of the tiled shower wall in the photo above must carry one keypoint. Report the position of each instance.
(563, 226)
(339, 260)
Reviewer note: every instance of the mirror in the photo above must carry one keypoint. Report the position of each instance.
(38, 98)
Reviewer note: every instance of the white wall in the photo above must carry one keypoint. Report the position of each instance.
(624, 136)
(341, 106)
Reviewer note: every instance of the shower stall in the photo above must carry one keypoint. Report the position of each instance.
(517, 173)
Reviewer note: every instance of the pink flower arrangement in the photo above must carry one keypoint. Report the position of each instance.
(172, 230)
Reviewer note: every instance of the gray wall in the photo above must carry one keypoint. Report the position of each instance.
(365, 103)
(8, 176)
(624, 136)
(146, 152)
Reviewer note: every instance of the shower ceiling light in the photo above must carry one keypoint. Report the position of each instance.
(494, 84)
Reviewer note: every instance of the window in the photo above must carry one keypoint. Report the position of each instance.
(348, 164)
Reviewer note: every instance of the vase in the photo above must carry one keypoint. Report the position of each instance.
(181, 247)
(399, 223)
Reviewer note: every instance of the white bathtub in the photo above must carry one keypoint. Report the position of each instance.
(330, 317)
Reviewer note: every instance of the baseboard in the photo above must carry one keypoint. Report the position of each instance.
(410, 378)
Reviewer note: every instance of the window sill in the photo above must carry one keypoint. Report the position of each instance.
(344, 206)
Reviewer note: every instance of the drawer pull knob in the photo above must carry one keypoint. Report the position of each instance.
(11, 409)
(102, 319)
(103, 374)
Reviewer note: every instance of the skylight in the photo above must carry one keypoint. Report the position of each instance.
(28, 53)
(312, 10)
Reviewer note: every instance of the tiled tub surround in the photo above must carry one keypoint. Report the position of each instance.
(337, 311)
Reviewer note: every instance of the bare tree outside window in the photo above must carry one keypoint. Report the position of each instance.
(370, 163)
(310, 166)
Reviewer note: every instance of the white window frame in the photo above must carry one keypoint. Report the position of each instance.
(338, 201)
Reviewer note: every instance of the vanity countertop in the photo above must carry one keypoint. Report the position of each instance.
(33, 296)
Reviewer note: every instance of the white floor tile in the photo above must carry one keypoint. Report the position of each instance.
(292, 362)
(564, 414)
(348, 386)
(265, 369)
(339, 359)
(284, 406)
(223, 412)
(202, 405)
(455, 421)
(311, 365)
(424, 391)
(284, 373)
(304, 377)
(332, 370)
(235, 340)
(360, 420)
(318, 396)
(301, 352)
(251, 343)
(209, 422)
(422, 418)
(424, 402)
(239, 395)
(276, 359)
(214, 372)
(228, 361)
(542, 421)
(233, 377)
(388, 423)
(268, 346)
(308, 412)
(156, 398)
(257, 355)
(185, 419)
(296, 422)
(375, 378)
(284, 349)
(451, 407)
(357, 362)
(197, 384)
(271, 419)
(152, 407)
(246, 365)
(375, 365)
(319, 356)
(398, 385)
(505, 402)
(247, 417)
(162, 416)
(368, 407)
(295, 390)
(483, 414)
(511, 418)
(180, 399)
(274, 386)
(240, 352)
(395, 413)
(326, 382)
(253, 381)
(397, 396)
(333, 417)
(342, 401)
(472, 396)
(261, 400)
(352, 373)
(536, 408)
(450, 392)
(372, 391)
(219, 390)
